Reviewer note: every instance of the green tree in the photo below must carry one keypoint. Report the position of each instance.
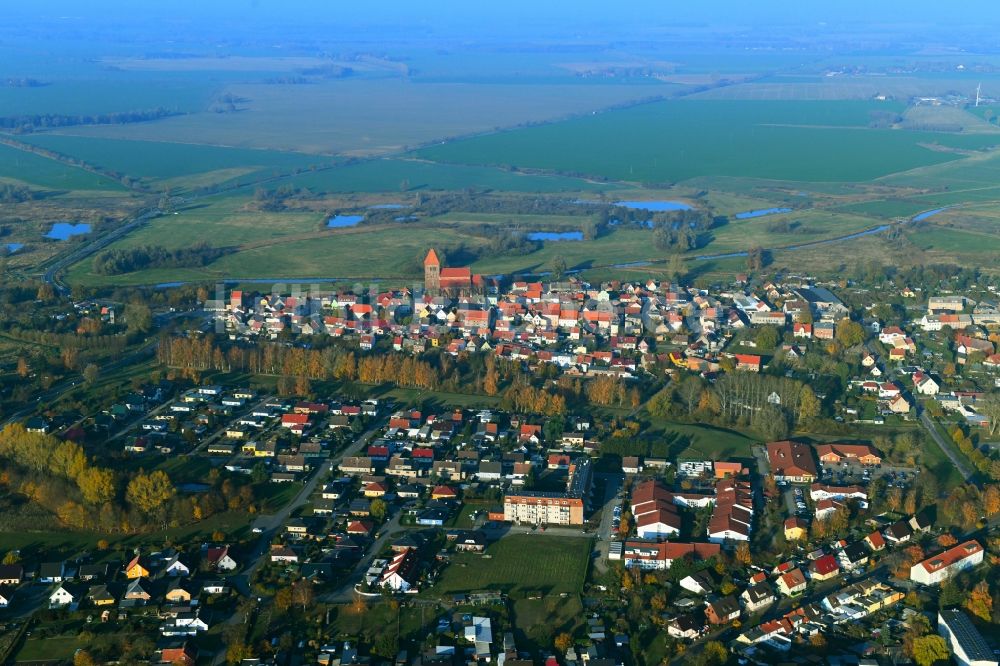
(148, 492)
(139, 317)
(237, 651)
(767, 338)
(563, 642)
(850, 333)
(771, 423)
(90, 374)
(96, 485)
(809, 405)
(378, 509)
(676, 268)
(713, 654)
(929, 650)
(558, 267)
(980, 601)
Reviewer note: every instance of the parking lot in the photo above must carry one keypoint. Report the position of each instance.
(848, 473)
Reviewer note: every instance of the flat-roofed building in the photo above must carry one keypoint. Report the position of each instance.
(967, 645)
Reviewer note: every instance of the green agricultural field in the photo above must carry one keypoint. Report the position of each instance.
(979, 171)
(40, 172)
(363, 116)
(106, 93)
(520, 564)
(398, 175)
(682, 139)
(177, 164)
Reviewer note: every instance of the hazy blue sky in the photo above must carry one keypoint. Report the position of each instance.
(587, 11)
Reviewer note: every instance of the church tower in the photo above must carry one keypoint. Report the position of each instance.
(432, 272)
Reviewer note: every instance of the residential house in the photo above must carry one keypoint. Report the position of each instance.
(11, 574)
(473, 542)
(853, 556)
(138, 567)
(700, 582)
(723, 610)
(875, 541)
(683, 626)
(758, 597)
(219, 559)
(792, 583)
(175, 567)
(824, 568)
(178, 653)
(180, 591)
(401, 574)
(137, 593)
(101, 596)
(66, 595)
(52, 572)
(796, 528)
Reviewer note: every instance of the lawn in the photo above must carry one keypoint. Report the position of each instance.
(676, 140)
(520, 564)
(36, 172)
(703, 440)
(57, 648)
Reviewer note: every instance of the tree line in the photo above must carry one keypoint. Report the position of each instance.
(10, 193)
(128, 260)
(28, 122)
(59, 477)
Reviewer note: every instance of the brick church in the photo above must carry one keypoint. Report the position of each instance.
(441, 280)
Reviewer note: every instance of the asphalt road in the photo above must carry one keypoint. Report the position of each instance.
(82, 252)
(270, 524)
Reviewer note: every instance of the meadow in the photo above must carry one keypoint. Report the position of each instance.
(520, 564)
(681, 139)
